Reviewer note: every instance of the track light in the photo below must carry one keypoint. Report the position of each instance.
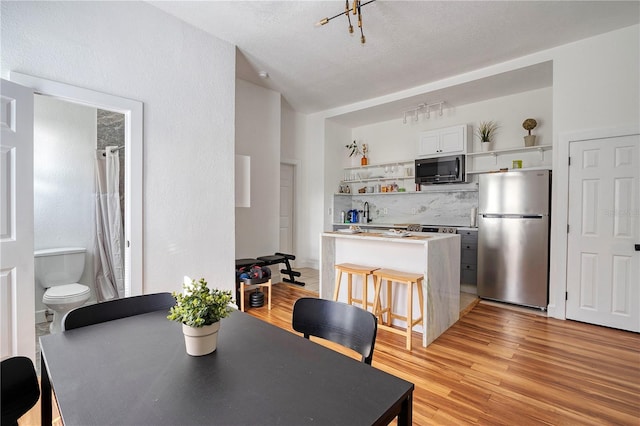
(355, 9)
(423, 108)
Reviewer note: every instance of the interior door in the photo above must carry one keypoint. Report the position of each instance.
(17, 284)
(603, 268)
(286, 208)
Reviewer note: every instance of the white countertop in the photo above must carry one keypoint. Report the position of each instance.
(401, 226)
(412, 238)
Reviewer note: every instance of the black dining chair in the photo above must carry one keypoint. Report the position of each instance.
(20, 388)
(116, 309)
(347, 325)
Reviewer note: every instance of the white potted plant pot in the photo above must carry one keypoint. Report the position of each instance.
(530, 140)
(201, 340)
(486, 146)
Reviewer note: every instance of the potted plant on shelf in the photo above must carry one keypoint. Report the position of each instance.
(486, 131)
(200, 310)
(529, 124)
(364, 160)
(354, 150)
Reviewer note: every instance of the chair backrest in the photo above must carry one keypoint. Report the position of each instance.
(117, 308)
(338, 322)
(20, 388)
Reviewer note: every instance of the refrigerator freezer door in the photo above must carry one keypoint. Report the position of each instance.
(522, 193)
(513, 259)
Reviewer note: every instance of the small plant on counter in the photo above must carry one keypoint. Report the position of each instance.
(486, 130)
(199, 306)
(353, 148)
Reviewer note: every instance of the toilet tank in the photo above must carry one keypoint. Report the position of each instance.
(59, 266)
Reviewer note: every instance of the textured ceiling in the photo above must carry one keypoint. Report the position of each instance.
(409, 43)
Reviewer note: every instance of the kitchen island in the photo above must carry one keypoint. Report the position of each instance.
(435, 255)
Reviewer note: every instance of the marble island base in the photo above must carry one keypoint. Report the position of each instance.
(436, 256)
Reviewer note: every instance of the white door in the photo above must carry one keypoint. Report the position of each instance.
(603, 268)
(286, 208)
(17, 285)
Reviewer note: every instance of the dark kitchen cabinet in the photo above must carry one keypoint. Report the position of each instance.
(468, 256)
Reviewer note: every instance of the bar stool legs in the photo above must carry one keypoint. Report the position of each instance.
(352, 269)
(390, 275)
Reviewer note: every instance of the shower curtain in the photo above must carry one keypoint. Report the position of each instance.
(108, 260)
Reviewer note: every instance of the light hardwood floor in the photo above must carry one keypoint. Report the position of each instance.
(500, 366)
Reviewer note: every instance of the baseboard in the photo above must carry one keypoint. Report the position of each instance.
(307, 263)
(469, 288)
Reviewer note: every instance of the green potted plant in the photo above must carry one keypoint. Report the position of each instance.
(529, 124)
(353, 148)
(354, 151)
(486, 131)
(200, 310)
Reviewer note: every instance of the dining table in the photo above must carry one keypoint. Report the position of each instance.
(135, 371)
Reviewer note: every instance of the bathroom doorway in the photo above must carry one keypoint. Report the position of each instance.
(132, 152)
(70, 158)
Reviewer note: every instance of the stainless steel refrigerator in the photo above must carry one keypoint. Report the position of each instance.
(513, 237)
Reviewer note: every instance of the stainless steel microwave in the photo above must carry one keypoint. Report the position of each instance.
(440, 170)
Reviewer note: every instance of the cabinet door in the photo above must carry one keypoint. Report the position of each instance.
(452, 140)
(429, 143)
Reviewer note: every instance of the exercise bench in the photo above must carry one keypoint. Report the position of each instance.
(283, 258)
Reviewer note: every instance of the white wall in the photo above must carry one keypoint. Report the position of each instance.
(394, 141)
(186, 80)
(596, 85)
(63, 183)
(258, 136)
(337, 137)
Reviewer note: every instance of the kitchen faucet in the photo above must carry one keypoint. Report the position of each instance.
(367, 214)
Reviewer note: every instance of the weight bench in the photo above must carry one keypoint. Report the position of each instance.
(282, 258)
(266, 261)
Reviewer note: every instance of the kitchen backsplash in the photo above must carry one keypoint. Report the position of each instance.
(427, 208)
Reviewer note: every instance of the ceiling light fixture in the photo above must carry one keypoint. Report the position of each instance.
(423, 108)
(355, 9)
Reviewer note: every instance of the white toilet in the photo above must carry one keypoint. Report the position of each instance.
(58, 270)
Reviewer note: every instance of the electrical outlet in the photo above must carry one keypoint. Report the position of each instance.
(330, 211)
(384, 211)
(414, 211)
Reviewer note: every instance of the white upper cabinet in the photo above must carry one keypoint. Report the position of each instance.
(446, 141)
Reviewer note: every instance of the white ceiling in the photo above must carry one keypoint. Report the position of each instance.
(409, 44)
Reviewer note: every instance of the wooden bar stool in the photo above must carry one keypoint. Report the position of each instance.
(399, 277)
(352, 269)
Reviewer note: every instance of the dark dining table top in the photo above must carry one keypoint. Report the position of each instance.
(135, 371)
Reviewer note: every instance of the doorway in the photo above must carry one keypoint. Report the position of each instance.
(68, 152)
(133, 167)
(603, 261)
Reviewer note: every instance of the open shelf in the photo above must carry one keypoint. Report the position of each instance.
(472, 172)
(497, 152)
(372, 166)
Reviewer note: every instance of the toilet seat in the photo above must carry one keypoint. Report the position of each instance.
(66, 293)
